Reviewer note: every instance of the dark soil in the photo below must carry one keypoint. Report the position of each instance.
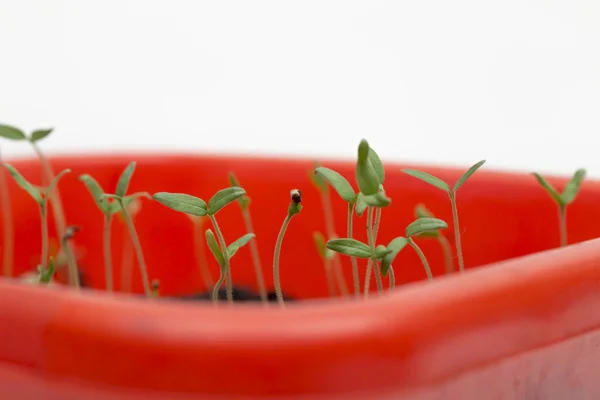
(239, 294)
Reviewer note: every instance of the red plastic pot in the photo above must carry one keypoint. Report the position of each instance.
(522, 328)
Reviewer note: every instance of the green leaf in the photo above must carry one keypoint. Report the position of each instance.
(238, 244)
(361, 204)
(182, 202)
(233, 182)
(244, 201)
(124, 180)
(12, 133)
(467, 175)
(377, 165)
(319, 239)
(549, 189)
(395, 246)
(24, 184)
(95, 190)
(223, 197)
(349, 247)
(366, 175)
(377, 200)
(337, 181)
(214, 247)
(572, 187)
(38, 135)
(424, 225)
(422, 212)
(317, 180)
(54, 183)
(381, 251)
(428, 178)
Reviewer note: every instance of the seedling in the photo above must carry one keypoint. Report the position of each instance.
(440, 184)
(422, 212)
(123, 200)
(244, 203)
(16, 134)
(335, 264)
(41, 198)
(420, 226)
(294, 208)
(369, 174)
(188, 204)
(563, 199)
(108, 209)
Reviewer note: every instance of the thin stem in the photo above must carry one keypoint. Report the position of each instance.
(199, 252)
(447, 253)
(215, 292)
(562, 216)
(378, 278)
(44, 218)
(126, 264)
(137, 247)
(368, 277)
(107, 253)
(392, 278)
(55, 200)
(459, 253)
(330, 282)
(355, 276)
(226, 266)
(262, 290)
(422, 257)
(276, 279)
(8, 234)
(73, 276)
(331, 233)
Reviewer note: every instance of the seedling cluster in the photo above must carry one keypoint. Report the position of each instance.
(369, 199)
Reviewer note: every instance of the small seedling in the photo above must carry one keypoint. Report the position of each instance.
(16, 134)
(123, 200)
(108, 209)
(41, 198)
(440, 184)
(244, 203)
(418, 227)
(294, 208)
(563, 199)
(188, 204)
(422, 212)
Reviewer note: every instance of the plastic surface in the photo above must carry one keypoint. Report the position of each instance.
(524, 328)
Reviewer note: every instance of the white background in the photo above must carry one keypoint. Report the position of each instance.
(516, 82)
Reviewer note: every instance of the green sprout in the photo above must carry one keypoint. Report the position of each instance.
(335, 262)
(440, 184)
(46, 274)
(326, 255)
(244, 203)
(108, 209)
(198, 224)
(418, 227)
(370, 175)
(72, 266)
(123, 200)
(294, 208)
(41, 198)
(16, 134)
(188, 204)
(422, 212)
(563, 199)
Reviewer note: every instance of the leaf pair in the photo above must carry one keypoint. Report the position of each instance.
(369, 170)
(39, 195)
(107, 208)
(231, 249)
(569, 192)
(440, 184)
(244, 200)
(13, 133)
(189, 204)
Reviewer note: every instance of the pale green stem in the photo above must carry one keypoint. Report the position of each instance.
(276, 278)
(44, 217)
(562, 216)
(331, 233)
(215, 292)
(459, 252)
(378, 279)
(392, 278)
(368, 277)
(422, 257)
(372, 247)
(199, 252)
(73, 276)
(355, 275)
(226, 266)
(447, 253)
(137, 247)
(262, 290)
(107, 253)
